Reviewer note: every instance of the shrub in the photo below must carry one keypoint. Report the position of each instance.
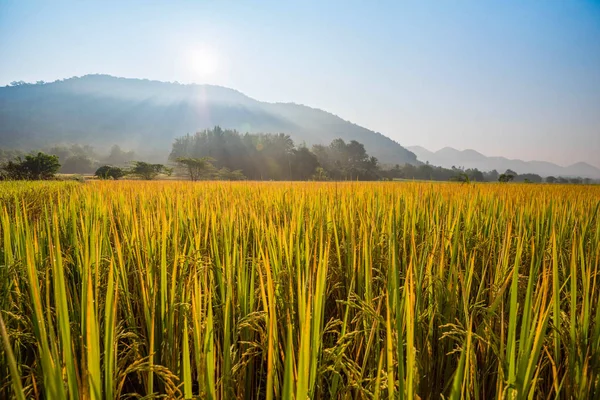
(109, 172)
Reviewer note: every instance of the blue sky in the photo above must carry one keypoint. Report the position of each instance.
(514, 78)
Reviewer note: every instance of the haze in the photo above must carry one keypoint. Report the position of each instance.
(519, 79)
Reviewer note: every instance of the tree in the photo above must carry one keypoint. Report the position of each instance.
(491, 176)
(461, 177)
(347, 161)
(9, 155)
(78, 164)
(119, 157)
(475, 175)
(320, 175)
(303, 164)
(109, 171)
(195, 167)
(33, 167)
(551, 179)
(506, 178)
(531, 178)
(226, 174)
(148, 171)
(257, 156)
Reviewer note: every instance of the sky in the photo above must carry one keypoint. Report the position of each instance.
(519, 79)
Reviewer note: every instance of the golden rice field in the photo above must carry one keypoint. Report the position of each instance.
(299, 290)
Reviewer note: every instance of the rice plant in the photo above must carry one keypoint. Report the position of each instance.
(299, 290)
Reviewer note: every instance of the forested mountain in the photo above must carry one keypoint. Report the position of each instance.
(449, 157)
(146, 116)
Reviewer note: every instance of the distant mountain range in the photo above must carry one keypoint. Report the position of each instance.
(448, 157)
(146, 116)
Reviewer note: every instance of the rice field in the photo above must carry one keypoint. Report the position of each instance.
(299, 290)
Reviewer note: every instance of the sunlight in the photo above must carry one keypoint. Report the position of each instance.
(203, 61)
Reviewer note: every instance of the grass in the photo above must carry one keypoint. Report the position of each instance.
(299, 290)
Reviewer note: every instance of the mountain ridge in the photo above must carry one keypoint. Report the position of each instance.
(147, 114)
(470, 158)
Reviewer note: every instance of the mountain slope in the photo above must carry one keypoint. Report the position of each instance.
(146, 115)
(448, 157)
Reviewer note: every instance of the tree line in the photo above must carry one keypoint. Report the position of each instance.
(225, 154)
(42, 166)
(276, 157)
(77, 159)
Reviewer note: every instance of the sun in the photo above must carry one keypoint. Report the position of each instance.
(203, 61)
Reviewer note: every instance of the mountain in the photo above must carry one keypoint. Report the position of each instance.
(146, 116)
(448, 157)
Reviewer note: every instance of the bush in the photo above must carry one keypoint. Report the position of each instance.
(109, 172)
(506, 178)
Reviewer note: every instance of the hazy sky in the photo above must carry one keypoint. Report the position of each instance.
(514, 78)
